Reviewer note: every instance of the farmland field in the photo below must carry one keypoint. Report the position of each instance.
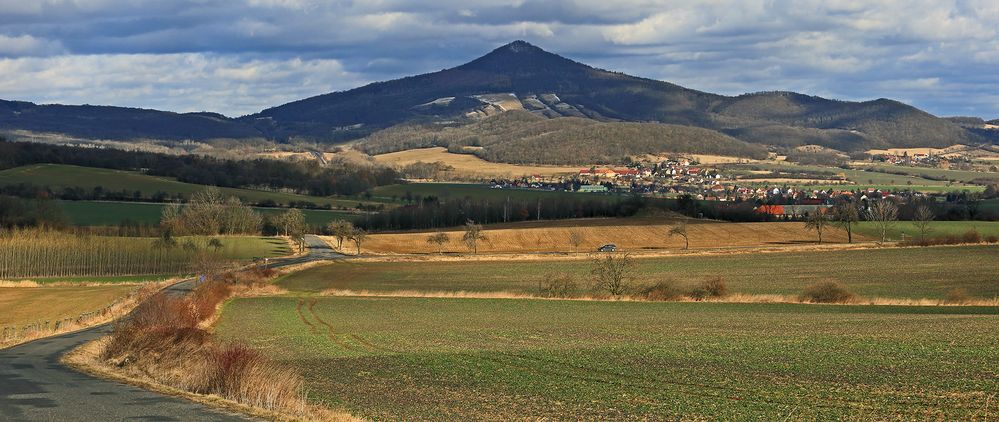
(469, 164)
(861, 178)
(628, 234)
(101, 213)
(501, 359)
(936, 173)
(910, 273)
(23, 305)
(937, 228)
(58, 176)
(475, 192)
(34, 254)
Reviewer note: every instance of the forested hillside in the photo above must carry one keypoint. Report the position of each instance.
(520, 137)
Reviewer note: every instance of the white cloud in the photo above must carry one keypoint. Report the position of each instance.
(177, 82)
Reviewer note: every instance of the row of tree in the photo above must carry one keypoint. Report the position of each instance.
(307, 177)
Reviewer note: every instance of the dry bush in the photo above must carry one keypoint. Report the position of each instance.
(710, 288)
(957, 296)
(971, 236)
(560, 285)
(827, 292)
(992, 239)
(162, 339)
(666, 290)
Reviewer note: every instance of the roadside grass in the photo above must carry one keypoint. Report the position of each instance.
(23, 305)
(425, 358)
(104, 213)
(58, 176)
(937, 228)
(902, 273)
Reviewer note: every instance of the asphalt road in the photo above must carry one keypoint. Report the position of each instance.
(34, 386)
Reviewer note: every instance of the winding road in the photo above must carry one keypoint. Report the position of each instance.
(35, 386)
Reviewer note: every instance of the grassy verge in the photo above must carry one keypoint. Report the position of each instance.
(423, 358)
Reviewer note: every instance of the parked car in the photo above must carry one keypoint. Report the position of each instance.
(610, 247)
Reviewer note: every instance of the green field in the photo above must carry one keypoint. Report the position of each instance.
(100, 213)
(937, 228)
(58, 176)
(503, 359)
(912, 273)
(965, 176)
(475, 192)
(863, 179)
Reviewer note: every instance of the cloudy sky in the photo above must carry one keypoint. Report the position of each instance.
(240, 56)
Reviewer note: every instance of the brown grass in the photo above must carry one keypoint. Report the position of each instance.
(641, 297)
(29, 313)
(165, 340)
(470, 164)
(628, 234)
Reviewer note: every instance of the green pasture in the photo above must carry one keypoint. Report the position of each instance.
(515, 359)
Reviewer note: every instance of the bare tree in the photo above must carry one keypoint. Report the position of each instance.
(845, 215)
(576, 238)
(341, 230)
(292, 222)
(473, 235)
(883, 214)
(439, 239)
(612, 274)
(358, 236)
(203, 214)
(817, 220)
(680, 229)
(921, 219)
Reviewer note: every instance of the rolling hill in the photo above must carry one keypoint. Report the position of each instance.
(520, 76)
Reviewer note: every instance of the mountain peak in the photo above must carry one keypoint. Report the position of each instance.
(521, 46)
(521, 56)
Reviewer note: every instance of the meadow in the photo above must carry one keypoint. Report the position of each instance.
(59, 176)
(474, 192)
(900, 273)
(102, 213)
(503, 359)
(965, 176)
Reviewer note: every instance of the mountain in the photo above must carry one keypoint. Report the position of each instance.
(520, 76)
(120, 123)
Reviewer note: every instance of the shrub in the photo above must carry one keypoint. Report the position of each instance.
(228, 365)
(971, 236)
(826, 292)
(992, 239)
(957, 296)
(663, 291)
(710, 288)
(557, 285)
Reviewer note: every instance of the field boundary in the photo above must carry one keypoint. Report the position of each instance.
(731, 298)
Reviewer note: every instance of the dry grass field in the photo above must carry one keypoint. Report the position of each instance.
(468, 163)
(25, 305)
(628, 234)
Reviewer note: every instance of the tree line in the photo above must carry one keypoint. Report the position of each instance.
(311, 178)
